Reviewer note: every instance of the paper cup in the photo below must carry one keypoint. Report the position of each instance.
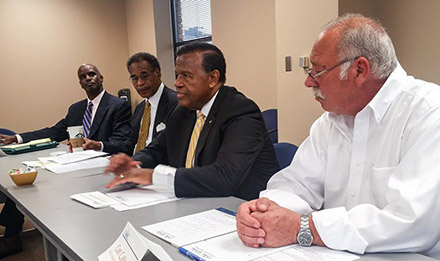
(76, 137)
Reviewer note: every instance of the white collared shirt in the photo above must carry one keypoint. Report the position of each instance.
(372, 181)
(154, 104)
(95, 102)
(164, 175)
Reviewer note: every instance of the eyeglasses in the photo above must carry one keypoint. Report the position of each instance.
(143, 77)
(315, 75)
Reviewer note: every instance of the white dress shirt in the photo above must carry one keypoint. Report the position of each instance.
(164, 175)
(372, 181)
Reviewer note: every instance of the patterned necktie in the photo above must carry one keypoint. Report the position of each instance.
(145, 128)
(194, 138)
(87, 120)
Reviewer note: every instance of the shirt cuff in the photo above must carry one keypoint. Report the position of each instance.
(19, 138)
(164, 175)
(102, 146)
(337, 231)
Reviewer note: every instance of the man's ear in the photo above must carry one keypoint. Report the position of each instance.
(213, 78)
(363, 70)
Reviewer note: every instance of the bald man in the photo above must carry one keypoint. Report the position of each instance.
(109, 128)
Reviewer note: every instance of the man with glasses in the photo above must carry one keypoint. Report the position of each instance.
(216, 143)
(367, 178)
(150, 116)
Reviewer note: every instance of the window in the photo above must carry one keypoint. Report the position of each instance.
(191, 21)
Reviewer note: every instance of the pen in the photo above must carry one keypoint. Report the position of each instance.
(190, 255)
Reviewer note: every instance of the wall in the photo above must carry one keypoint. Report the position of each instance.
(412, 25)
(255, 36)
(43, 43)
(297, 26)
(141, 34)
(245, 32)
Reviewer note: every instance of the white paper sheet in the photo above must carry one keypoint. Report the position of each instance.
(77, 156)
(85, 164)
(298, 253)
(131, 245)
(230, 247)
(193, 228)
(95, 199)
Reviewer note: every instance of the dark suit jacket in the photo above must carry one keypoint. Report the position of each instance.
(234, 154)
(167, 102)
(111, 124)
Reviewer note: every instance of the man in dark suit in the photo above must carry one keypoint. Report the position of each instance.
(110, 117)
(216, 143)
(109, 128)
(145, 76)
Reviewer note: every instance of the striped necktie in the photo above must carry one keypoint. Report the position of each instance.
(189, 163)
(87, 120)
(145, 128)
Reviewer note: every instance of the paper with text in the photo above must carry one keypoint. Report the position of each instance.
(143, 195)
(95, 199)
(85, 164)
(230, 247)
(77, 156)
(193, 228)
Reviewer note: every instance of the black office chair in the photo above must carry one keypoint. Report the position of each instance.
(271, 120)
(285, 152)
(6, 131)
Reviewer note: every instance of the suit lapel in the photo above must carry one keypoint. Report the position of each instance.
(100, 113)
(209, 122)
(187, 127)
(163, 103)
(137, 120)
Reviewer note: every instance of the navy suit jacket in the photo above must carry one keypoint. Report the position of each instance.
(111, 124)
(167, 102)
(234, 154)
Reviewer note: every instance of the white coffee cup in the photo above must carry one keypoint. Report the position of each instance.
(76, 137)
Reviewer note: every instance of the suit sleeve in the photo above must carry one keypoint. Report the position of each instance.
(121, 130)
(242, 139)
(58, 132)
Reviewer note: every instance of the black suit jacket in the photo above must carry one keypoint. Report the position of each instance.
(111, 124)
(234, 154)
(167, 102)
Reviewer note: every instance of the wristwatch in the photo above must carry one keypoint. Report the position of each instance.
(304, 236)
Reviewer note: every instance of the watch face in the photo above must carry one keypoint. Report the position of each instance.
(304, 238)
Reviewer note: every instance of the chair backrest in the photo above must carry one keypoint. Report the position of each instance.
(271, 120)
(285, 152)
(6, 131)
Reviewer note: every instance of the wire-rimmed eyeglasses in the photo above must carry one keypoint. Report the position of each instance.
(314, 75)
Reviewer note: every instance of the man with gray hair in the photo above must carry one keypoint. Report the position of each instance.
(366, 179)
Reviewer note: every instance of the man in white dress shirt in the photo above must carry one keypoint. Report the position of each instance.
(367, 178)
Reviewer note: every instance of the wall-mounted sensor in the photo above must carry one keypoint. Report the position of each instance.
(304, 62)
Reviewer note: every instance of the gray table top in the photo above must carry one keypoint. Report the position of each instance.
(83, 233)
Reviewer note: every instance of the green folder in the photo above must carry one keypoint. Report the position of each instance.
(29, 146)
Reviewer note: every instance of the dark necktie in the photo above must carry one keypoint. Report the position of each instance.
(87, 120)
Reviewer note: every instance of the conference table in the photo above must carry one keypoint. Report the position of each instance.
(74, 231)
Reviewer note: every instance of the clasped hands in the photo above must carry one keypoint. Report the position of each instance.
(261, 222)
(126, 169)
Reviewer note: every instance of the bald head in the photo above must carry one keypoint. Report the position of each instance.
(90, 80)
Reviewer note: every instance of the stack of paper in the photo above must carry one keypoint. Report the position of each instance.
(211, 235)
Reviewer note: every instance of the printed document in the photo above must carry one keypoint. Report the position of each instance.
(85, 164)
(95, 199)
(230, 247)
(77, 156)
(193, 228)
(131, 245)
